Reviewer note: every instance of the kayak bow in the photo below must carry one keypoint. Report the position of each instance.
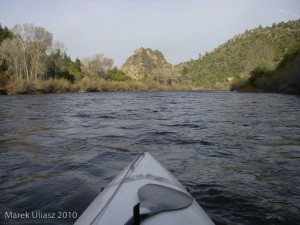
(144, 192)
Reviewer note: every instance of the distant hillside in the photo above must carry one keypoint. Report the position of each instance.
(238, 57)
(285, 78)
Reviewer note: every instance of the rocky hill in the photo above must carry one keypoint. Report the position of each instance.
(144, 62)
(236, 58)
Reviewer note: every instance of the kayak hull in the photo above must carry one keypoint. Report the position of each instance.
(114, 205)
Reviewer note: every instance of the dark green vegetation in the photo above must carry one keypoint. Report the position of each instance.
(256, 52)
(261, 59)
(285, 78)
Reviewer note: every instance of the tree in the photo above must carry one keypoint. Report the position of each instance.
(118, 75)
(34, 43)
(12, 58)
(5, 33)
(166, 76)
(57, 45)
(76, 69)
(60, 65)
(96, 67)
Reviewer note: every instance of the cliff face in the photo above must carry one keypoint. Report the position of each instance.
(143, 62)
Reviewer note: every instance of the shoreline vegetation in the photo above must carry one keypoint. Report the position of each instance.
(259, 60)
(61, 85)
(285, 78)
(32, 63)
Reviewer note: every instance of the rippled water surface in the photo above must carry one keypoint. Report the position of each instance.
(239, 154)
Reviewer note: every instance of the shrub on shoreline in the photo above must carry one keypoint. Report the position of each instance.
(21, 86)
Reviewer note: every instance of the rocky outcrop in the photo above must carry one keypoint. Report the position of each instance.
(144, 62)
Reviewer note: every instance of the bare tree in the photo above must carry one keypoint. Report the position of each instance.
(96, 66)
(166, 76)
(10, 51)
(23, 38)
(58, 46)
(42, 41)
(34, 43)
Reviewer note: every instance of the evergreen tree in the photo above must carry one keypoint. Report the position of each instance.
(5, 33)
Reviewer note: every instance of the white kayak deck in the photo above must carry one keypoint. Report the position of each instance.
(114, 205)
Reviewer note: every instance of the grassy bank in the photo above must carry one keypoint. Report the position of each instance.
(85, 85)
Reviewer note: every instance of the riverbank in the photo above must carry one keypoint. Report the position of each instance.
(266, 86)
(12, 87)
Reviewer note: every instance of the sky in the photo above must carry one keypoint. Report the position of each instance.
(180, 29)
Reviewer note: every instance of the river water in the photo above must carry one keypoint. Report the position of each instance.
(238, 153)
